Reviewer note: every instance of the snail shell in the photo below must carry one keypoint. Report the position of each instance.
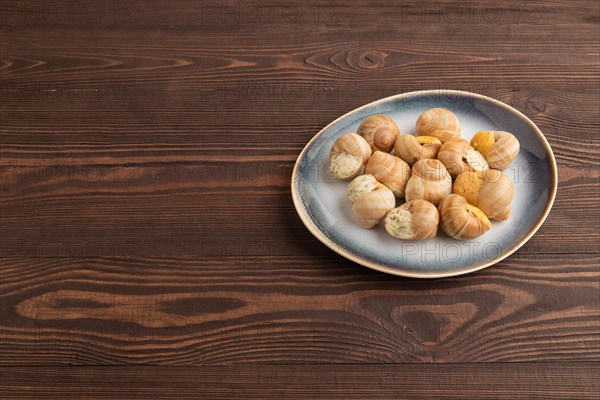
(359, 185)
(429, 181)
(491, 191)
(389, 170)
(415, 220)
(380, 131)
(504, 214)
(458, 156)
(461, 220)
(498, 147)
(412, 149)
(372, 206)
(348, 155)
(440, 123)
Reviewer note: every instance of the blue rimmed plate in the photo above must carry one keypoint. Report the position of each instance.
(322, 205)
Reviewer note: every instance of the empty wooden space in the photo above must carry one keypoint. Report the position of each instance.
(149, 247)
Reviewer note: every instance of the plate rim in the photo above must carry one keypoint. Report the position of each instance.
(310, 225)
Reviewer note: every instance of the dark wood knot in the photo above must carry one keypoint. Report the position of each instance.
(371, 59)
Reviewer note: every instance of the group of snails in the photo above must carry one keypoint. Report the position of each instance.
(445, 180)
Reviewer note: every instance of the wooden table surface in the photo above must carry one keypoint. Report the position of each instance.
(149, 244)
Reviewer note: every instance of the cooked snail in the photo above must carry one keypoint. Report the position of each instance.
(458, 156)
(389, 170)
(498, 147)
(504, 214)
(415, 220)
(461, 220)
(429, 181)
(440, 123)
(371, 205)
(348, 155)
(380, 131)
(491, 191)
(359, 185)
(414, 148)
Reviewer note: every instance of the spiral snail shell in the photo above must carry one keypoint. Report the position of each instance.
(440, 123)
(392, 171)
(414, 148)
(372, 203)
(429, 181)
(348, 155)
(458, 156)
(380, 131)
(491, 191)
(461, 220)
(415, 220)
(498, 147)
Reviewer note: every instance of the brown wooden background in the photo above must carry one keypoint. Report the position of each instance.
(149, 244)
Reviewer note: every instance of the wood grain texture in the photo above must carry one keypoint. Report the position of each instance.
(149, 247)
(282, 310)
(533, 381)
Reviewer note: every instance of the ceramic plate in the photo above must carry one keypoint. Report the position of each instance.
(321, 200)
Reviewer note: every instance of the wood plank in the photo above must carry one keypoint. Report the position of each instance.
(533, 381)
(334, 15)
(180, 209)
(77, 310)
(158, 63)
(124, 127)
